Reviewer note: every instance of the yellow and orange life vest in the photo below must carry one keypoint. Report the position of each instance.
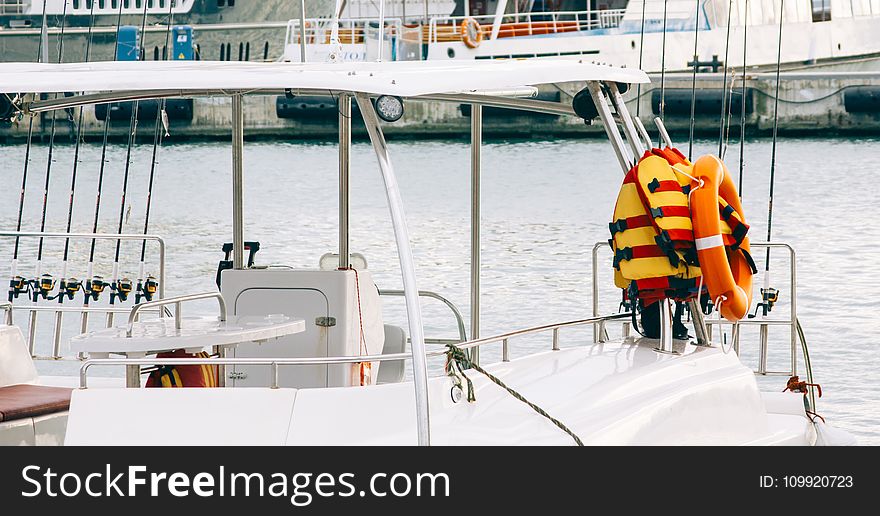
(652, 234)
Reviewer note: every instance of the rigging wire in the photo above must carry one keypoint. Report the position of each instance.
(663, 69)
(724, 108)
(742, 100)
(694, 80)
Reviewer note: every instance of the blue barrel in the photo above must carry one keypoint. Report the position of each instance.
(128, 44)
(183, 43)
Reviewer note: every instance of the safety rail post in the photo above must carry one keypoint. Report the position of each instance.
(7, 307)
(665, 329)
(476, 162)
(555, 339)
(505, 350)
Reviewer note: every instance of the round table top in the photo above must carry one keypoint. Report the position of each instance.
(161, 335)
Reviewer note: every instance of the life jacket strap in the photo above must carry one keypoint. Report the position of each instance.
(621, 225)
(670, 211)
(664, 186)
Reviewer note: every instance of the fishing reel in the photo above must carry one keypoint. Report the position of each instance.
(769, 297)
(68, 288)
(94, 288)
(120, 290)
(41, 287)
(18, 285)
(146, 290)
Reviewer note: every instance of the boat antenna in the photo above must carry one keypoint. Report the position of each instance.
(663, 68)
(19, 284)
(148, 286)
(766, 292)
(68, 287)
(43, 284)
(641, 55)
(120, 288)
(694, 80)
(742, 100)
(724, 109)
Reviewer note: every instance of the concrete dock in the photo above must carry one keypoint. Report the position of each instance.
(817, 103)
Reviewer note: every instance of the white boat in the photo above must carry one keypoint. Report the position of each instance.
(651, 35)
(303, 356)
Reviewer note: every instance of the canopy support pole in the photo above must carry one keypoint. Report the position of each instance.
(237, 183)
(344, 169)
(407, 267)
(476, 161)
(610, 125)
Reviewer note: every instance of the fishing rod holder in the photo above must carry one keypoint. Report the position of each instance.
(769, 297)
(92, 288)
(227, 264)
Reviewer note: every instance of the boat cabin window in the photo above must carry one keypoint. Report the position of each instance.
(821, 10)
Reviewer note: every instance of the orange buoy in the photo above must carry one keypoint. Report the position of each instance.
(726, 274)
(471, 32)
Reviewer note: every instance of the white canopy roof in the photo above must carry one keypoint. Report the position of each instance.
(405, 79)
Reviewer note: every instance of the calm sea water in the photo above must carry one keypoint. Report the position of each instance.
(544, 206)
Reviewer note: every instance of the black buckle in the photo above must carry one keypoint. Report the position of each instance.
(654, 185)
(656, 213)
(622, 254)
(617, 226)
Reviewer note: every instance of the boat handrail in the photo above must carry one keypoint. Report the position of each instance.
(504, 338)
(177, 302)
(7, 307)
(59, 310)
(462, 332)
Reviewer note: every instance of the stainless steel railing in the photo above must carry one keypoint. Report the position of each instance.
(797, 338)
(275, 363)
(59, 310)
(177, 302)
(459, 320)
(7, 307)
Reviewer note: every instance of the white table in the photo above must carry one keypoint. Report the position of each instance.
(193, 335)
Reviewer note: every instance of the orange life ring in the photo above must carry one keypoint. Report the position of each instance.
(727, 275)
(471, 32)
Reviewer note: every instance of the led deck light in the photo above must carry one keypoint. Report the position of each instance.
(389, 108)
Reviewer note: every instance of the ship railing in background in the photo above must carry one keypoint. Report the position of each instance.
(14, 6)
(448, 28)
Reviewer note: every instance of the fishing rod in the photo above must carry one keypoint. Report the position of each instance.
(768, 294)
(742, 100)
(148, 286)
(19, 284)
(69, 286)
(724, 109)
(663, 69)
(120, 288)
(43, 284)
(694, 81)
(95, 284)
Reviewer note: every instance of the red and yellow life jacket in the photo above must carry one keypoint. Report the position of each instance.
(197, 375)
(652, 234)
